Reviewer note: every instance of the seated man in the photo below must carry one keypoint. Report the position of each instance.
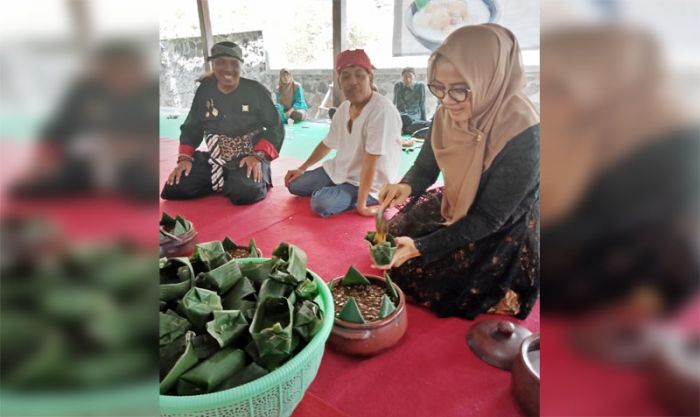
(409, 99)
(242, 130)
(365, 133)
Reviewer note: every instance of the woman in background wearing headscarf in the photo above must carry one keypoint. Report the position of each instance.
(290, 98)
(472, 246)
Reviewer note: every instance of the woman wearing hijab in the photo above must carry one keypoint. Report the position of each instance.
(472, 246)
(290, 98)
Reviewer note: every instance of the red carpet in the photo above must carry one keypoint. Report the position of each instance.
(85, 217)
(431, 372)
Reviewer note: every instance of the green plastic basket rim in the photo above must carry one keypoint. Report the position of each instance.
(138, 397)
(196, 403)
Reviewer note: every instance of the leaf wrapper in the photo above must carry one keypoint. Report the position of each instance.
(211, 254)
(187, 360)
(171, 327)
(187, 388)
(227, 326)
(198, 305)
(290, 264)
(274, 288)
(258, 272)
(213, 371)
(308, 320)
(391, 287)
(354, 277)
(247, 374)
(351, 312)
(381, 253)
(176, 278)
(386, 308)
(307, 290)
(169, 226)
(230, 246)
(221, 279)
(271, 328)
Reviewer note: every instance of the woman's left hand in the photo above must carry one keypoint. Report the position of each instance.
(405, 250)
(254, 167)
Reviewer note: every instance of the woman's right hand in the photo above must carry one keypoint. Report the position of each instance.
(391, 195)
(183, 166)
(293, 174)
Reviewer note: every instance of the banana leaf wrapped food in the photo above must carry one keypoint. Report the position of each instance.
(171, 228)
(227, 326)
(171, 327)
(199, 305)
(177, 236)
(239, 251)
(186, 360)
(271, 328)
(381, 247)
(176, 276)
(237, 320)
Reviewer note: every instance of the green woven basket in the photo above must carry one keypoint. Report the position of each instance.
(275, 394)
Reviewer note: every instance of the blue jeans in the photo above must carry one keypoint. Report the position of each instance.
(327, 198)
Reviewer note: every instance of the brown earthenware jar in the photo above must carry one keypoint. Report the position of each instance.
(173, 248)
(525, 376)
(373, 337)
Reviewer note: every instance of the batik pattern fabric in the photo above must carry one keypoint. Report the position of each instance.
(498, 274)
(223, 149)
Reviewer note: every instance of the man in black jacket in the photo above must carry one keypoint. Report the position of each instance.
(242, 129)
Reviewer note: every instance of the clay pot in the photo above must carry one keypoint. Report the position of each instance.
(373, 337)
(172, 248)
(497, 342)
(525, 376)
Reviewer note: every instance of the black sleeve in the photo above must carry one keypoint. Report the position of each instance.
(513, 175)
(424, 171)
(69, 117)
(270, 119)
(192, 130)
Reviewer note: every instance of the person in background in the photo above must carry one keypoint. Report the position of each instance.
(290, 98)
(365, 133)
(472, 246)
(243, 132)
(101, 137)
(409, 99)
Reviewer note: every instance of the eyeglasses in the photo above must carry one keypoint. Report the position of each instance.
(457, 94)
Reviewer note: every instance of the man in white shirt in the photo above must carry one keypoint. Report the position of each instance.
(366, 133)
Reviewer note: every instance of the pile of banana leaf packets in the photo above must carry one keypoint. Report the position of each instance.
(225, 321)
(76, 316)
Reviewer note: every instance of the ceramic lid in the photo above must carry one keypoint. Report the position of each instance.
(496, 342)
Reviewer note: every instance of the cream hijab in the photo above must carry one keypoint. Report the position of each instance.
(287, 90)
(488, 58)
